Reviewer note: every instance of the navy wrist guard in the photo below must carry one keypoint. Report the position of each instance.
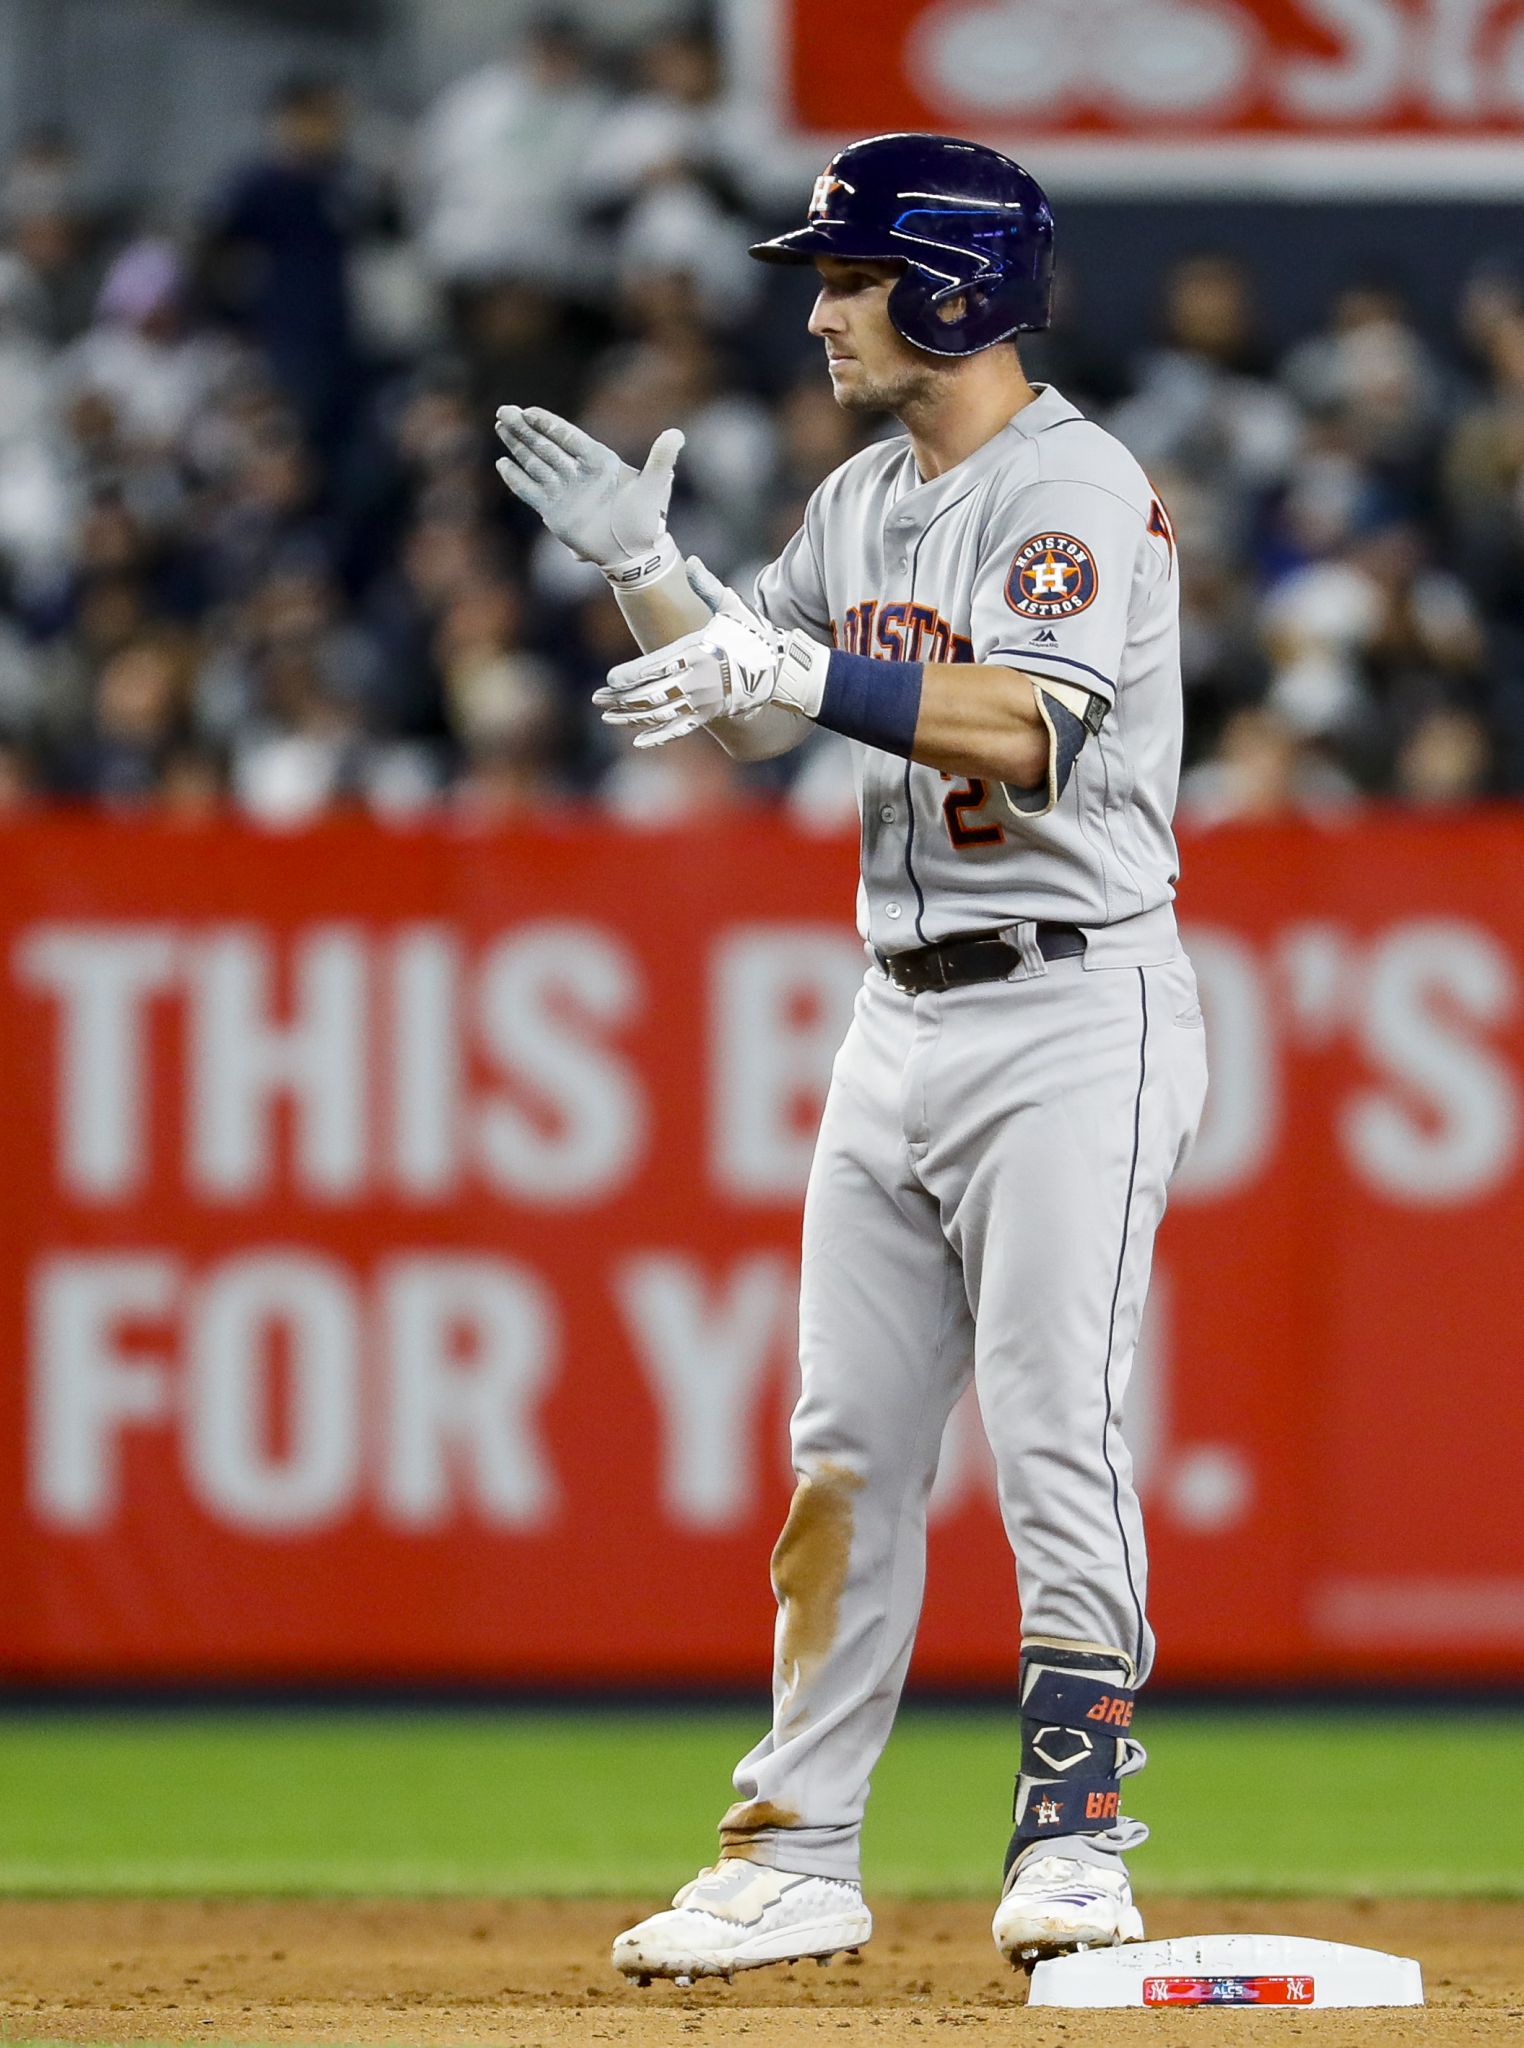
(877, 702)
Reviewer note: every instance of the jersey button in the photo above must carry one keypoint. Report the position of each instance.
(888, 813)
(891, 910)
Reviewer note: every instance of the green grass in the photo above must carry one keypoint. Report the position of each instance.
(532, 1802)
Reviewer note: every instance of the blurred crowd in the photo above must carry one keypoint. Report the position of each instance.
(253, 551)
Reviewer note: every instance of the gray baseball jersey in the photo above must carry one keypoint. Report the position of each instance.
(1046, 549)
(993, 1158)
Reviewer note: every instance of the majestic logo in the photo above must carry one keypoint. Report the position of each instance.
(1046, 638)
(826, 184)
(1052, 577)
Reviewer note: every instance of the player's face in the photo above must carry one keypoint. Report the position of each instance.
(873, 368)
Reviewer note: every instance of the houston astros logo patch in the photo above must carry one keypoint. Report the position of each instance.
(1052, 577)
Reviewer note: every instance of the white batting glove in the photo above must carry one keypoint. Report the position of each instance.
(707, 587)
(732, 666)
(602, 509)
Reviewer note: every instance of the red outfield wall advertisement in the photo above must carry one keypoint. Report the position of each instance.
(399, 1257)
(1139, 95)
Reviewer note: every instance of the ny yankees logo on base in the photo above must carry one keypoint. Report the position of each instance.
(1228, 1969)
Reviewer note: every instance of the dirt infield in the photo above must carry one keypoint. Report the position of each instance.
(527, 1973)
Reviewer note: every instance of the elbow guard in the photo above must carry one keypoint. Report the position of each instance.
(1070, 715)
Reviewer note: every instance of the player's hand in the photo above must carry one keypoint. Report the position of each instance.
(602, 509)
(732, 666)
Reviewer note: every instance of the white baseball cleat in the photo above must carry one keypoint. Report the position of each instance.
(739, 1916)
(1055, 1904)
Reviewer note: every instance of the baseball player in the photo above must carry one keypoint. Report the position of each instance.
(987, 607)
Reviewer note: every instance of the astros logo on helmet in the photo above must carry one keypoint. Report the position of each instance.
(820, 199)
(1052, 577)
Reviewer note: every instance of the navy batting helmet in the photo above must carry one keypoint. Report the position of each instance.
(964, 220)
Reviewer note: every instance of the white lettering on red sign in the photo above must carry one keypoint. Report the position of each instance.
(125, 1347)
(369, 1063)
(782, 1001)
(88, 1387)
(570, 1127)
(709, 1352)
(243, 1308)
(470, 1345)
(1443, 1126)
(102, 978)
(247, 1062)
(428, 975)
(1137, 63)
(1438, 1121)
(1364, 74)
(349, 1066)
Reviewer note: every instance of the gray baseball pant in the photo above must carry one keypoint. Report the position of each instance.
(989, 1175)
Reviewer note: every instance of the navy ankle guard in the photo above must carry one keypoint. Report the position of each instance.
(1076, 1712)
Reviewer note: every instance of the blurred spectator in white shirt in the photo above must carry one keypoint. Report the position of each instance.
(674, 122)
(677, 229)
(672, 171)
(687, 782)
(143, 355)
(51, 226)
(37, 506)
(1369, 639)
(1263, 769)
(1200, 405)
(26, 391)
(1373, 372)
(685, 116)
(500, 160)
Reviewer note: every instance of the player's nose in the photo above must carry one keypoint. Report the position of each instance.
(825, 318)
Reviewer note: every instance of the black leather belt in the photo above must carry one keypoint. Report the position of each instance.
(974, 956)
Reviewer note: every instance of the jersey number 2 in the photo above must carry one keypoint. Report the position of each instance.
(962, 798)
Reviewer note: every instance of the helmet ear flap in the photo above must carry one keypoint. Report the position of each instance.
(915, 313)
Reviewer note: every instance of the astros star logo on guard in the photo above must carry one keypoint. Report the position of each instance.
(1053, 577)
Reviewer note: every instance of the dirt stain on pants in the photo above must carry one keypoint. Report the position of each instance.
(809, 1569)
(742, 1823)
